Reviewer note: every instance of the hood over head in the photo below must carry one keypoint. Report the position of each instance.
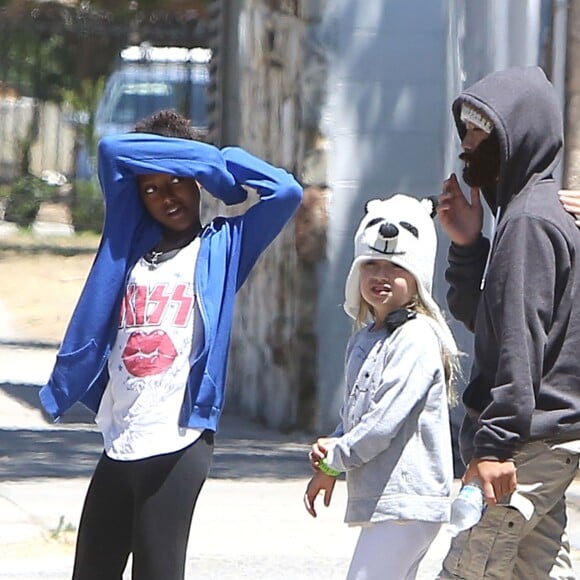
(523, 106)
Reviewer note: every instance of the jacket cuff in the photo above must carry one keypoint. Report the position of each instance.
(487, 454)
(331, 459)
(48, 403)
(462, 254)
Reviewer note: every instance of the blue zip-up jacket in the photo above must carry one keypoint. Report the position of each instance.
(229, 249)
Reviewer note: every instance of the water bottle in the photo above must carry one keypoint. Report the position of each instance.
(466, 508)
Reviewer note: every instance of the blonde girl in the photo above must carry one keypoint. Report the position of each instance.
(393, 440)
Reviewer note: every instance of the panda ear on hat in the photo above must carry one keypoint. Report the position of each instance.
(430, 203)
(372, 205)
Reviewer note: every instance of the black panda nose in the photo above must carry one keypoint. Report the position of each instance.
(388, 231)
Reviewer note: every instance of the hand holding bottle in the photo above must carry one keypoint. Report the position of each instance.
(497, 478)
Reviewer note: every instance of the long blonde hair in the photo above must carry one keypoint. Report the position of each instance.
(451, 366)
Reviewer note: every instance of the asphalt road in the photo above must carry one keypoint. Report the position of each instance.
(249, 521)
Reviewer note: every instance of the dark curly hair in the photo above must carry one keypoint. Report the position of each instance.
(168, 123)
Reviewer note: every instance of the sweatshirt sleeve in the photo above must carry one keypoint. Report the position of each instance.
(464, 274)
(122, 157)
(519, 300)
(412, 366)
(280, 195)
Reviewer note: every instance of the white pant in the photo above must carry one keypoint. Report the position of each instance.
(391, 550)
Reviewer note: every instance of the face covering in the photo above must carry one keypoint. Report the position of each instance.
(482, 165)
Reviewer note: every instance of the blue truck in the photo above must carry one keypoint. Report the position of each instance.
(148, 79)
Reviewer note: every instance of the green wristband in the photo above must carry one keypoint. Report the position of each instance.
(327, 469)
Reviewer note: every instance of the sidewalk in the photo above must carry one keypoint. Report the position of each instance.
(249, 522)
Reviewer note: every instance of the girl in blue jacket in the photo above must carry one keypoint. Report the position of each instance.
(147, 345)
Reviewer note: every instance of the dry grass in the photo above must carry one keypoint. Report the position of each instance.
(39, 293)
(41, 278)
(43, 545)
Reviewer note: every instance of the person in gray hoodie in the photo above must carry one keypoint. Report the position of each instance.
(393, 440)
(518, 294)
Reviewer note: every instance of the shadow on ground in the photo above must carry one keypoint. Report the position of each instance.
(259, 458)
(71, 448)
(34, 454)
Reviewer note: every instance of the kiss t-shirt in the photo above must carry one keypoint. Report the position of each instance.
(150, 361)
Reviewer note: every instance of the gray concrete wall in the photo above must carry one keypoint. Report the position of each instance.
(572, 175)
(354, 97)
(384, 122)
(395, 67)
(482, 37)
(262, 113)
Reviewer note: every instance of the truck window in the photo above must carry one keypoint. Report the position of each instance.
(138, 100)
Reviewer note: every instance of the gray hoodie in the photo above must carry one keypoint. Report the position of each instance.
(525, 378)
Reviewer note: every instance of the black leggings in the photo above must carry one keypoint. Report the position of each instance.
(142, 507)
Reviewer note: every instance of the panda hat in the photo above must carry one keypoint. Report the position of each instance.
(399, 229)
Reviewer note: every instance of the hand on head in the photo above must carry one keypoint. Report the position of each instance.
(461, 220)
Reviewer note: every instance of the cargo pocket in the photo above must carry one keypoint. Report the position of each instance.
(487, 551)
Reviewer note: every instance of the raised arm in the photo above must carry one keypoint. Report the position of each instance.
(464, 276)
(280, 195)
(122, 157)
(462, 221)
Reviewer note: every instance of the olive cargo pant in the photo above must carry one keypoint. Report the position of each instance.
(511, 542)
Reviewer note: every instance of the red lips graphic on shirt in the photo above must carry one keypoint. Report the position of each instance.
(148, 353)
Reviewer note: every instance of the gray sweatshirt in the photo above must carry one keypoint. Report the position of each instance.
(394, 440)
(525, 380)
